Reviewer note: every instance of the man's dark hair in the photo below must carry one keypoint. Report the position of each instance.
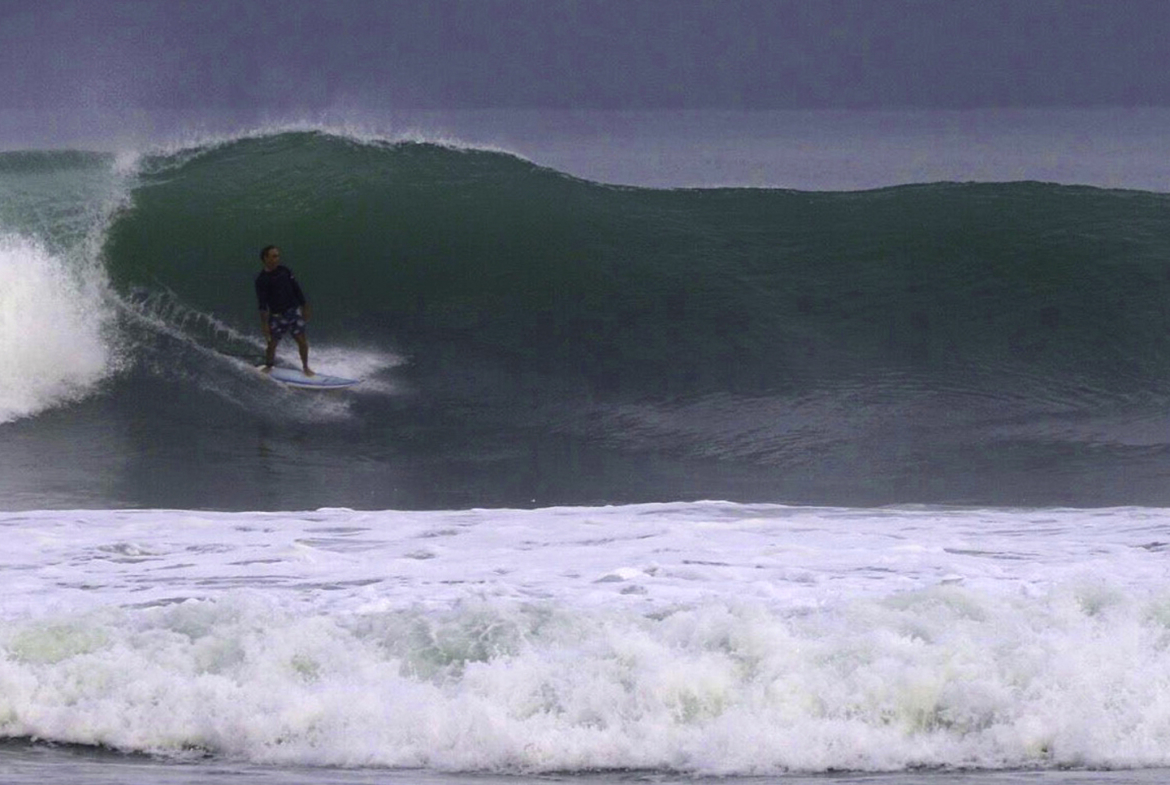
(264, 251)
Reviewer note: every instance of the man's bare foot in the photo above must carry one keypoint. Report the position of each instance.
(309, 371)
(265, 369)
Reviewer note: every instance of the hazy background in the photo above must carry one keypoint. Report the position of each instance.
(255, 56)
(816, 94)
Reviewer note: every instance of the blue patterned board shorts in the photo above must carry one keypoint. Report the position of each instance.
(289, 321)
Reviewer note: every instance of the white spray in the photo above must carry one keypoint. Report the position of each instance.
(54, 336)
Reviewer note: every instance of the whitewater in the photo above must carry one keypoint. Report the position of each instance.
(704, 638)
(935, 411)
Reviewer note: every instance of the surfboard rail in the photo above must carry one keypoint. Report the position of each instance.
(295, 377)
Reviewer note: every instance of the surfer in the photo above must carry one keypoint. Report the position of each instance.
(283, 308)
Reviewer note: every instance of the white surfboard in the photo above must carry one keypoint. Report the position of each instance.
(294, 377)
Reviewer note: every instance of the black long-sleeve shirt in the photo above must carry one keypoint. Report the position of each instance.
(277, 291)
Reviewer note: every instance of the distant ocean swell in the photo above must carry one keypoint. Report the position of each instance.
(902, 344)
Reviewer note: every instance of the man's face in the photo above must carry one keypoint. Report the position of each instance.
(272, 259)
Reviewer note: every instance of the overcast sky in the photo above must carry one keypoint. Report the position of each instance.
(741, 54)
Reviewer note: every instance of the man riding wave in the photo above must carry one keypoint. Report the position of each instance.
(283, 308)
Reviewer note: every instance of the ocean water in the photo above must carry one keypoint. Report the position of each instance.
(918, 359)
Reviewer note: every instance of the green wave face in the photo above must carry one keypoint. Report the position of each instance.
(682, 291)
(56, 197)
(530, 338)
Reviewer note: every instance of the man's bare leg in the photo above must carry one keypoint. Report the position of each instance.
(303, 346)
(269, 356)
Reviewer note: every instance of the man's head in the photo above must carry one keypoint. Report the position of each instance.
(270, 256)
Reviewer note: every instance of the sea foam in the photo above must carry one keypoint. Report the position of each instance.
(54, 329)
(699, 638)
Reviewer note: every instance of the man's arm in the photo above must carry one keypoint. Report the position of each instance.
(262, 300)
(306, 312)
